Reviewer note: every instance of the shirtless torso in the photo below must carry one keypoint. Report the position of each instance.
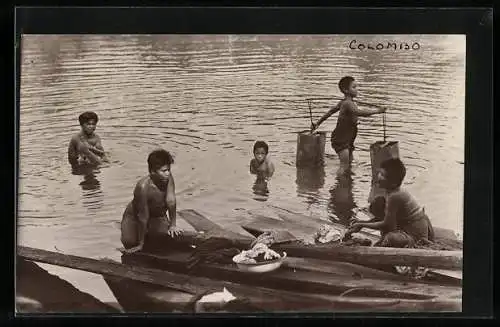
(148, 211)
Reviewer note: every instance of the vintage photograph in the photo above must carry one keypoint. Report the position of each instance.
(240, 173)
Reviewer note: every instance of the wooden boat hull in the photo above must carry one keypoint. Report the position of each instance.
(135, 296)
(39, 291)
(143, 297)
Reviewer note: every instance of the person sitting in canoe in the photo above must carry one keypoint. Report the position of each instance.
(154, 196)
(405, 222)
(345, 132)
(85, 147)
(261, 165)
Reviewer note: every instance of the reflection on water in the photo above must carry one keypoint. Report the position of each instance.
(310, 180)
(206, 99)
(92, 195)
(260, 188)
(341, 203)
(90, 183)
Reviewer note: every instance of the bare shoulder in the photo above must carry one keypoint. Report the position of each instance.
(349, 104)
(398, 196)
(75, 138)
(142, 184)
(269, 161)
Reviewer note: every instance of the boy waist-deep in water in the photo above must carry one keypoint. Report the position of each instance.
(261, 166)
(85, 147)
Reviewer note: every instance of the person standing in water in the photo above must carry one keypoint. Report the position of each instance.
(85, 147)
(345, 132)
(261, 164)
(154, 197)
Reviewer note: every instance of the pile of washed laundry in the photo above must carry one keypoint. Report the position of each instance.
(327, 233)
(260, 252)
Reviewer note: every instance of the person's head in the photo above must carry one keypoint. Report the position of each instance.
(391, 173)
(348, 86)
(260, 150)
(159, 162)
(88, 121)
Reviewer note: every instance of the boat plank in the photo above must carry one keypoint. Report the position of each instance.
(203, 224)
(180, 282)
(443, 235)
(363, 255)
(262, 223)
(303, 281)
(341, 269)
(157, 299)
(360, 255)
(52, 294)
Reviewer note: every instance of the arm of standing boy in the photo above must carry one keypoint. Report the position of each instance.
(361, 112)
(330, 112)
(172, 208)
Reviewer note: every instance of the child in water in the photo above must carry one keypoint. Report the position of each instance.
(345, 132)
(85, 147)
(261, 165)
(405, 222)
(154, 196)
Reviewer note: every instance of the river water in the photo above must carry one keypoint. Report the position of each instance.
(207, 99)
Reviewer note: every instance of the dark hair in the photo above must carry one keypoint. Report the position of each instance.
(260, 144)
(159, 158)
(345, 82)
(86, 116)
(395, 171)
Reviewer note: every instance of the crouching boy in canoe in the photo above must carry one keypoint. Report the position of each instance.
(154, 196)
(405, 222)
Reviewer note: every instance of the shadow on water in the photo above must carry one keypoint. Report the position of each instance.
(309, 181)
(260, 188)
(90, 183)
(91, 186)
(342, 203)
